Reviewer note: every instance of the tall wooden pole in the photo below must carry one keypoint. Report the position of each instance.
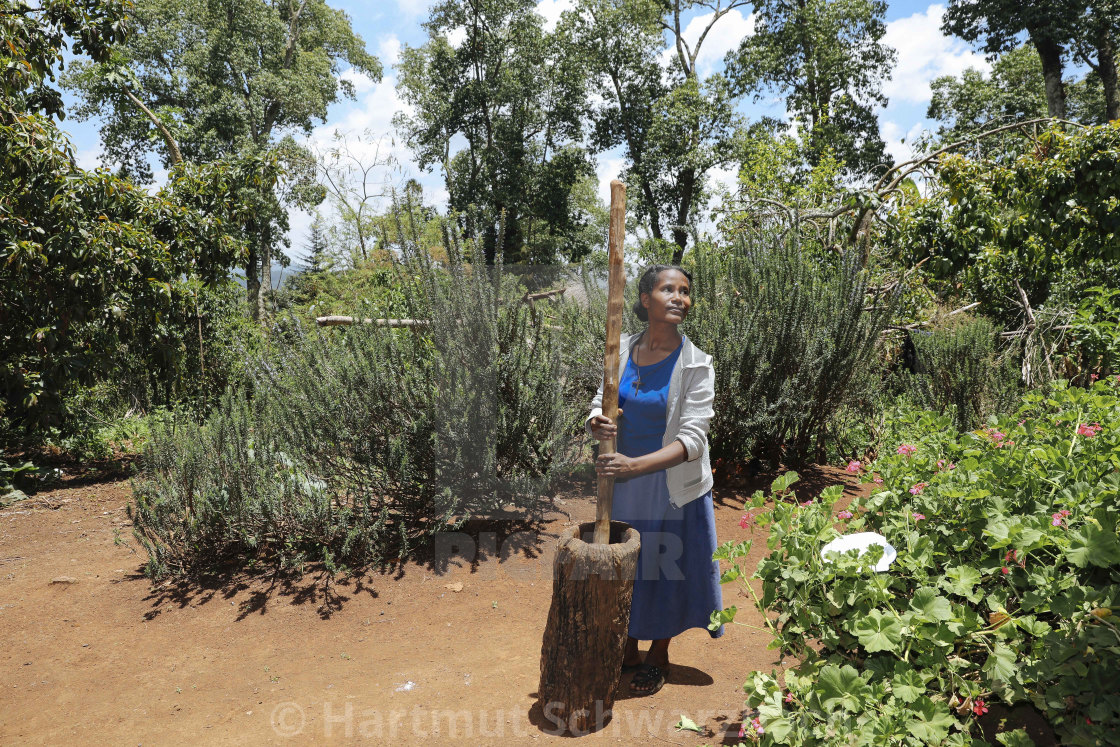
(616, 282)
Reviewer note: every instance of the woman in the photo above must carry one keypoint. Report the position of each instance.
(663, 480)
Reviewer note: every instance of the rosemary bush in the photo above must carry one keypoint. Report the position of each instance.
(792, 334)
(962, 373)
(358, 443)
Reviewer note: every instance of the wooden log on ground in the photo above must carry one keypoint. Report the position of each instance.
(585, 637)
(342, 321)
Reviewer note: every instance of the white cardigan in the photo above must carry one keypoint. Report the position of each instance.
(687, 417)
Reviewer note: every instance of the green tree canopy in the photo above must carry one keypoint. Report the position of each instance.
(829, 61)
(674, 125)
(90, 264)
(1048, 219)
(237, 77)
(500, 113)
(997, 25)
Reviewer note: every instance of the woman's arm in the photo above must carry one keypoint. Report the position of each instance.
(620, 465)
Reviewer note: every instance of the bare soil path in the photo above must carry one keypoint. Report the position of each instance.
(94, 654)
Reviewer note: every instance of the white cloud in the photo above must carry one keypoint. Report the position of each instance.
(725, 36)
(609, 168)
(924, 53)
(725, 179)
(413, 8)
(89, 158)
(551, 10)
(367, 124)
(899, 145)
(389, 50)
(456, 36)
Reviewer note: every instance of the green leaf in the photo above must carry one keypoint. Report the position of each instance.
(1000, 664)
(720, 617)
(961, 580)
(781, 484)
(908, 686)
(930, 605)
(687, 724)
(1017, 738)
(841, 687)
(730, 575)
(931, 721)
(1093, 545)
(878, 632)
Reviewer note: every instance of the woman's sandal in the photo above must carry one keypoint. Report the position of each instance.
(649, 679)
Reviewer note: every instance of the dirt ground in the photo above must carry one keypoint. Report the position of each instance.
(94, 654)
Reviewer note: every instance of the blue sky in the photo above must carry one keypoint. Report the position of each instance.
(913, 30)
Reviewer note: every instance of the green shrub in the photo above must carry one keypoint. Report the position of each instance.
(358, 443)
(961, 372)
(792, 339)
(1005, 586)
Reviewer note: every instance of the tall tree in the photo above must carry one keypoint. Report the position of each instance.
(89, 262)
(236, 77)
(998, 24)
(508, 95)
(828, 58)
(1014, 90)
(674, 125)
(1095, 44)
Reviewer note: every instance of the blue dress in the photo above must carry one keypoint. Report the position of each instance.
(677, 585)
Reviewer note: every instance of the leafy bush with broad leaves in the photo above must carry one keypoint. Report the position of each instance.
(792, 337)
(1047, 218)
(357, 444)
(1094, 332)
(1005, 589)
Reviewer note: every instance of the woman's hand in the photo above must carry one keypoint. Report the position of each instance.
(603, 427)
(616, 465)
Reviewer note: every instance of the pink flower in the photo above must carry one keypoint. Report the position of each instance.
(942, 464)
(757, 726)
(844, 515)
(1093, 378)
(807, 503)
(853, 466)
(1005, 570)
(1088, 431)
(918, 488)
(1023, 421)
(1056, 519)
(1064, 512)
(877, 480)
(789, 697)
(919, 517)
(745, 521)
(741, 732)
(906, 450)
(979, 707)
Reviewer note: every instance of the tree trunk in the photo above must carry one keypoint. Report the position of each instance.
(1050, 54)
(1106, 62)
(253, 280)
(585, 638)
(265, 284)
(680, 233)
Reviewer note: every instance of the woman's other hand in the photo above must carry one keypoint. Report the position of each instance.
(616, 465)
(603, 427)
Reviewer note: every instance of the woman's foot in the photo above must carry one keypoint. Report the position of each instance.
(649, 679)
(632, 658)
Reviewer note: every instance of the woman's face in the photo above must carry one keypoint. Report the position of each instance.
(670, 299)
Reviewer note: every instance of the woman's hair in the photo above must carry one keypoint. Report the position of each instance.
(648, 280)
